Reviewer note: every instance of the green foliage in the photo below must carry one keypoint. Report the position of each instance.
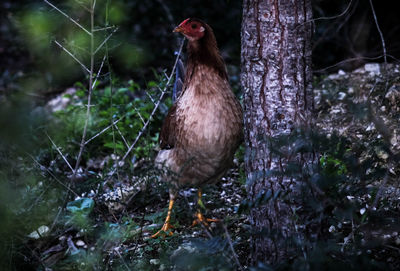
(79, 211)
(28, 204)
(128, 107)
(332, 166)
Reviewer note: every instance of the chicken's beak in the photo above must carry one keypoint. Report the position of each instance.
(178, 29)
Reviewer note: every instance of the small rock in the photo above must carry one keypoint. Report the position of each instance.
(335, 111)
(393, 140)
(341, 96)
(370, 127)
(334, 76)
(60, 102)
(382, 154)
(80, 243)
(373, 68)
(40, 232)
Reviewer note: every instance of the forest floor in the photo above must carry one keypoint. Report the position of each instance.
(130, 208)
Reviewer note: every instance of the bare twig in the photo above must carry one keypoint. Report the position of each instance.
(99, 72)
(103, 28)
(119, 254)
(82, 145)
(52, 175)
(122, 136)
(73, 56)
(104, 130)
(140, 115)
(92, 10)
(66, 15)
(105, 40)
(354, 59)
(156, 105)
(167, 11)
(235, 256)
(380, 34)
(330, 17)
(56, 218)
(58, 150)
(393, 247)
(151, 97)
(82, 4)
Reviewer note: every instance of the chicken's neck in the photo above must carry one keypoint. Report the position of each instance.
(204, 52)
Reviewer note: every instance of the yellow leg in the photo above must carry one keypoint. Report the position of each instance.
(167, 224)
(199, 216)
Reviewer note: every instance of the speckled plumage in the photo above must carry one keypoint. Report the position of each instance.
(204, 127)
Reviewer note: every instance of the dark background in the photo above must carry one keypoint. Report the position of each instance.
(145, 42)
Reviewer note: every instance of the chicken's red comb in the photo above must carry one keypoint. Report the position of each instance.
(184, 22)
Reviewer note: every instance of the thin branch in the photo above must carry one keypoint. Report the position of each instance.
(122, 136)
(99, 72)
(105, 40)
(166, 76)
(52, 175)
(66, 15)
(83, 140)
(92, 10)
(331, 17)
(140, 116)
(104, 130)
(235, 256)
(72, 55)
(58, 150)
(103, 28)
(151, 98)
(156, 105)
(123, 261)
(82, 5)
(353, 59)
(55, 219)
(380, 33)
(167, 11)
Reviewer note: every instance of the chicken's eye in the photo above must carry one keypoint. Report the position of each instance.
(194, 26)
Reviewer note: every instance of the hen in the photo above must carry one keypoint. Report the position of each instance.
(203, 128)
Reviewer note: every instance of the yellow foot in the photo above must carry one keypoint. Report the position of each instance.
(201, 219)
(165, 230)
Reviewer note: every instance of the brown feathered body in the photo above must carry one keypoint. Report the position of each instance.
(203, 128)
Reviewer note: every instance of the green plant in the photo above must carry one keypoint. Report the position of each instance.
(126, 109)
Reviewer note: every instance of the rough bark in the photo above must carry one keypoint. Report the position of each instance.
(276, 79)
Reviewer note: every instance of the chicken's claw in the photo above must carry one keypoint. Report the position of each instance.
(165, 230)
(200, 218)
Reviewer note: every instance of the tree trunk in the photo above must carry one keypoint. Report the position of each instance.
(276, 79)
